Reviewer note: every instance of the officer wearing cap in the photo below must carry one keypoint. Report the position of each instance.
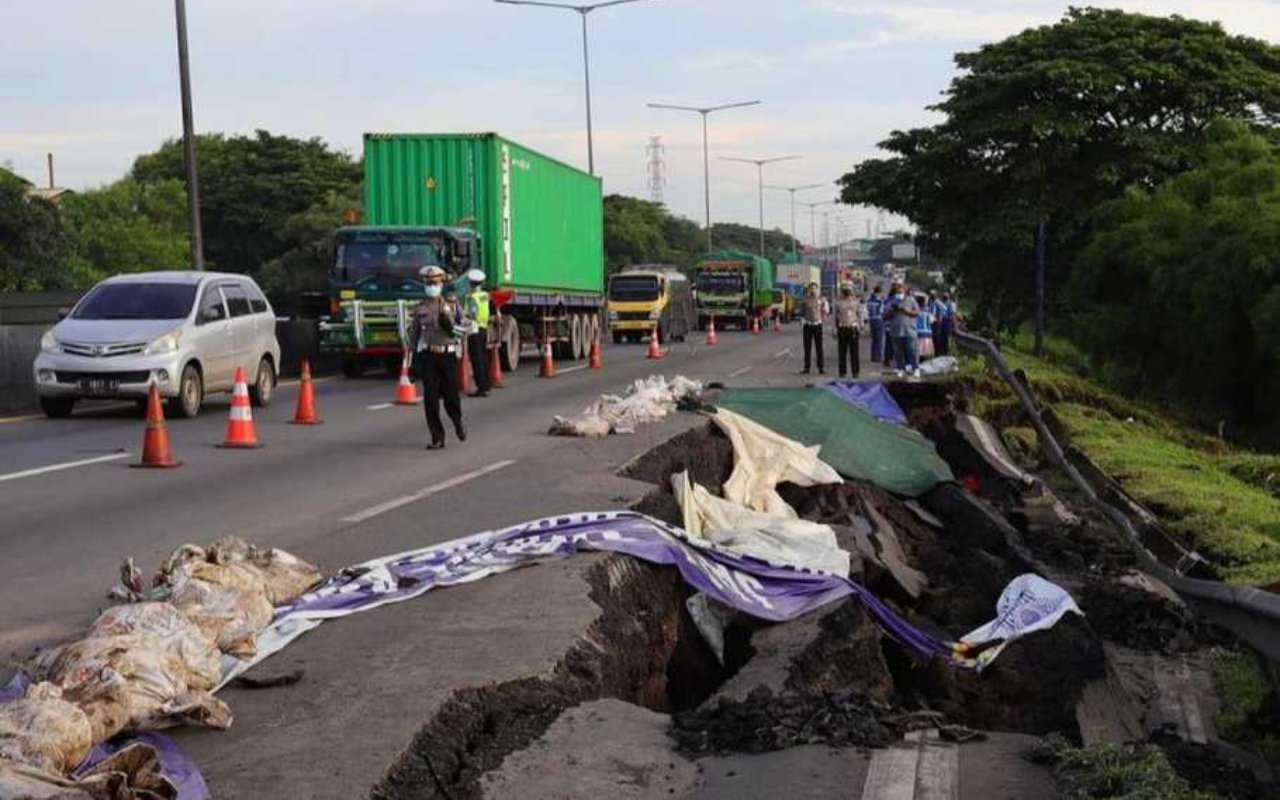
(434, 338)
(478, 340)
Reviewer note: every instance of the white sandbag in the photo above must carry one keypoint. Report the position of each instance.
(939, 366)
(647, 400)
(44, 731)
(763, 459)
(779, 538)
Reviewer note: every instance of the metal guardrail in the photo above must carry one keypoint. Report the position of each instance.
(1252, 614)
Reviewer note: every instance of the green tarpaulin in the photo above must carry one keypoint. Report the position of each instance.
(856, 444)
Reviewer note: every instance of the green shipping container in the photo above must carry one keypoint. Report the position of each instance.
(541, 222)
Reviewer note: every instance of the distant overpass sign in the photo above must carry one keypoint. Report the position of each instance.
(904, 252)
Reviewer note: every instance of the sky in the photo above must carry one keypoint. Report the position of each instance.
(96, 82)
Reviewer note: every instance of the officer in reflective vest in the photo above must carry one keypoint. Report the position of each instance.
(478, 341)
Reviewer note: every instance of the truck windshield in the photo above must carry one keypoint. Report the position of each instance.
(361, 259)
(720, 282)
(633, 288)
(138, 301)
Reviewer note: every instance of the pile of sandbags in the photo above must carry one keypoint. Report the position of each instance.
(149, 663)
(647, 400)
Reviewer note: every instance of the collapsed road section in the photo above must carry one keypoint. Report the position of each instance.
(787, 595)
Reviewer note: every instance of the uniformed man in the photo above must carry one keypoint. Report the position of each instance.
(434, 338)
(814, 311)
(478, 340)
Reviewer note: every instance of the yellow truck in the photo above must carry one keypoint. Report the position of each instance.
(649, 294)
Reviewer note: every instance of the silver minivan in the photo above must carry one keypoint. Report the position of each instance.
(185, 331)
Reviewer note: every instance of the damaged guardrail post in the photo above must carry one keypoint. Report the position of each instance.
(1252, 614)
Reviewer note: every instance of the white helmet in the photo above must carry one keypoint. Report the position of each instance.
(431, 272)
(476, 276)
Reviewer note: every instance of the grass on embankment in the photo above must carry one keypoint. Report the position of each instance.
(1224, 501)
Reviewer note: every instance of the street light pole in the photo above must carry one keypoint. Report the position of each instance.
(792, 190)
(705, 111)
(583, 11)
(760, 162)
(195, 238)
(813, 220)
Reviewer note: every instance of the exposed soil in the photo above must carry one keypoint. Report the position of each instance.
(704, 451)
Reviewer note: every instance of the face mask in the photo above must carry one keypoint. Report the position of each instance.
(433, 290)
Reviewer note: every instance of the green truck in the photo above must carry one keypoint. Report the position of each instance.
(733, 287)
(535, 227)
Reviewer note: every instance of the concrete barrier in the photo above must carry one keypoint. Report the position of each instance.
(18, 347)
(19, 344)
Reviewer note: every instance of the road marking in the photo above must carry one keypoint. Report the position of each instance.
(742, 371)
(786, 351)
(13, 476)
(572, 369)
(296, 381)
(390, 505)
(27, 418)
(380, 406)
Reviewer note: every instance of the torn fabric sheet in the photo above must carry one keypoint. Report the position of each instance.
(776, 538)
(871, 397)
(1028, 604)
(762, 459)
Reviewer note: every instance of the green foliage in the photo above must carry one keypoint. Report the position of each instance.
(1179, 290)
(34, 243)
(304, 267)
(1247, 700)
(640, 232)
(1121, 772)
(1050, 122)
(250, 188)
(127, 227)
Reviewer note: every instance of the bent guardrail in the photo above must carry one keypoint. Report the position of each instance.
(1252, 614)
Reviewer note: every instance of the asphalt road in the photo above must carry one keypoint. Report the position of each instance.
(65, 532)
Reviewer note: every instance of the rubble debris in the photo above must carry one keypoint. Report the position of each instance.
(647, 400)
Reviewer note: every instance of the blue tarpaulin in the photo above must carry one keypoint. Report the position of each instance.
(872, 398)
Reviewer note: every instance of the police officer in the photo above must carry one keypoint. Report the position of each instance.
(478, 340)
(434, 336)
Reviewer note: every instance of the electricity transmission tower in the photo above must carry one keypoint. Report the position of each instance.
(656, 169)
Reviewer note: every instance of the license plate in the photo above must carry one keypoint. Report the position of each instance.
(100, 387)
(386, 336)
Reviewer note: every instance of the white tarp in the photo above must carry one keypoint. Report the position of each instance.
(647, 400)
(777, 537)
(763, 459)
(1028, 604)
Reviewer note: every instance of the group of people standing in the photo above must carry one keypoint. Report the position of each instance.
(439, 326)
(905, 327)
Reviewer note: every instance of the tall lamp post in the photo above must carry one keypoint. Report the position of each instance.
(583, 11)
(706, 165)
(195, 238)
(813, 218)
(760, 162)
(792, 190)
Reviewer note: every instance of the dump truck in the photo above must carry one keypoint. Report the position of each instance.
(534, 225)
(733, 287)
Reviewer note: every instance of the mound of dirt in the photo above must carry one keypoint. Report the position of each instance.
(704, 451)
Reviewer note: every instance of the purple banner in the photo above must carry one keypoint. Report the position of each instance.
(872, 398)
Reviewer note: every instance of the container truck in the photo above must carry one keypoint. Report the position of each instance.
(799, 274)
(535, 227)
(733, 287)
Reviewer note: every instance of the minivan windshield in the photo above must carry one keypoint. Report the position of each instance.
(137, 301)
(633, 288)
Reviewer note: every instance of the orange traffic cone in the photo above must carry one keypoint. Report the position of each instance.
(464, 370)
(306, 413)
(777, 325)
(711, 332)
(755, 324)
(242, 434)
(155, 442)
(548, 362)
(596, 358)
(406, 390)
(655, 346)
(495, 368)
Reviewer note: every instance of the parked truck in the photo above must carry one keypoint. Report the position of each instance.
(733, 287)
(535, 227)
(646, 296)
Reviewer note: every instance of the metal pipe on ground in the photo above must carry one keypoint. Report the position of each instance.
(1252, 614)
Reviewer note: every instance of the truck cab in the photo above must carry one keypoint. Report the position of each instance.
(647, 295)
(374, 285)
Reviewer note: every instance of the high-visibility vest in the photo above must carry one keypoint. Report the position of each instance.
(480, 307)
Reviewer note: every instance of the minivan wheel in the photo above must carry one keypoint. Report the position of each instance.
(57, 407)
(190, 394)
(263, 385)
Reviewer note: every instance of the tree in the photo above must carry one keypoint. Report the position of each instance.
(746, 239)
(634, 233)
(34, 244)
(304, 267)
(1045, 125)
(127, 227)
(250, 186)
(1178, 291)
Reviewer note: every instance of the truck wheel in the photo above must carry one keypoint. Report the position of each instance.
(352, 367)
(576, 337)
(57, 407)
(617, 337)
(509, 344)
